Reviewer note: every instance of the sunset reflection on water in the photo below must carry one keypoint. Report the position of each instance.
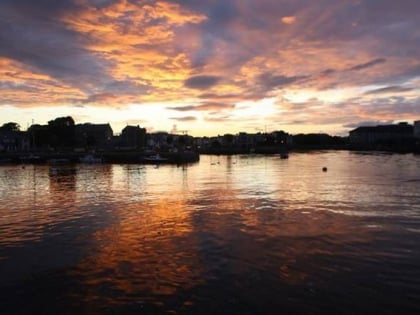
(229, 233)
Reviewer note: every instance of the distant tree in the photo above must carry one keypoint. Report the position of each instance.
(10, 126)
(39, 136)
(269, 140)
(215, 144)
(228, 139)
(318, 139)
(62, 132)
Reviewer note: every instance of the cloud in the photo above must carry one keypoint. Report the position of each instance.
(101, 98)
(218, 96)
(327, 72)
(389, 89)
(202, 82)
(203, 107)
(270, 81)
(288, 19)
(35, 36)
(369, 64)
(45, 9)
(183, 108)
(392, 108)
(224, 118)
(113, 53)
(185, 118)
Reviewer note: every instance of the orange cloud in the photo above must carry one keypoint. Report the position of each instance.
(135, 52)
(136, 48)
(23, 86)
(288, 19)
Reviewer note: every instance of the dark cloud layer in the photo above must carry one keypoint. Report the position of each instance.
(115, 53)
(270, 81)
(185, 118)
(369, 64)
(32, 33)
(389, 89)
(202, 82)
(203, 107)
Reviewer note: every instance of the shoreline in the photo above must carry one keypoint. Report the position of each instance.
(140, 157)
(36, 157)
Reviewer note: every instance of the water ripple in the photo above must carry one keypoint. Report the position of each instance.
(233, 235)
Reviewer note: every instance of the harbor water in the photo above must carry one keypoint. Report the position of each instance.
(243, 234)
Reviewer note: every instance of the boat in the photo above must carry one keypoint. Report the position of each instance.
(90, 159)
(284, 152)
(284, 155)
(30, 158)
(155, 159)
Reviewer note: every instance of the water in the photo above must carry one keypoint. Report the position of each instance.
(228, 235)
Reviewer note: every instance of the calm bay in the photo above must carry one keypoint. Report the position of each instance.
(243, 234)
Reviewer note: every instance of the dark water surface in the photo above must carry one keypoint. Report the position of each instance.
(228, 235)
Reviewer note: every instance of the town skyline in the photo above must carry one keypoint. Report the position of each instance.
(225, 66)
(63, 133)
(176, 131)
(13, 125)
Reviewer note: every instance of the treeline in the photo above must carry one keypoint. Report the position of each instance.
(319, 140)
(59, 132)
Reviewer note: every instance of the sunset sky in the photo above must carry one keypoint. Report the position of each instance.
(211, 66)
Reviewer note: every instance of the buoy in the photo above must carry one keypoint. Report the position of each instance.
(324, 169)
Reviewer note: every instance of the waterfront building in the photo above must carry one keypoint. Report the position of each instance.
(158, 140)
(97, 136)
(381, 134)
(133, 137)
(417, 129)
(14, 141)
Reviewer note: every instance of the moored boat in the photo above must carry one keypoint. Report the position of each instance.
(90, 159)
(284, 155)
(31, 158)
(155, 159)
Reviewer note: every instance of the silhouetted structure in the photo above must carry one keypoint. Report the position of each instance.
(398, 137)
(14, 141)
(133, 137)
(417, 129)
(62, 138)
(244, 142)
(94, 136)
(319, 141)
(381, 134)
(62, 133)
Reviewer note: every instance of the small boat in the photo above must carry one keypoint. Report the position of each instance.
(284, 155)
(90, 159)
(284, 152)
(30, 159)
(155, 159)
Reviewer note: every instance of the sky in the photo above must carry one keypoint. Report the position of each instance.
(211, 67)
